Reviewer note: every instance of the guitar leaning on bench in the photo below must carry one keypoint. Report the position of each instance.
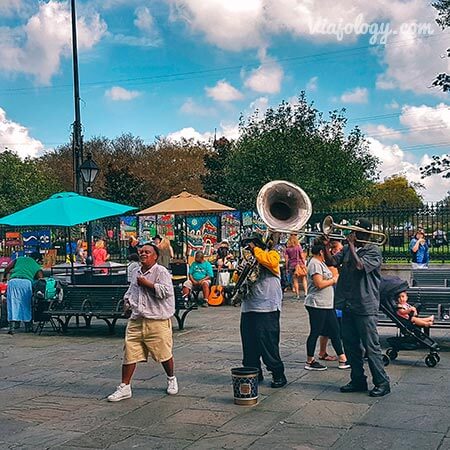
(216, 296)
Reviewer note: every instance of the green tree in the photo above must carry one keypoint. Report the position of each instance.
(215, 164)
(442, 80)
(23, 183)
(295, 143)
(394, 192)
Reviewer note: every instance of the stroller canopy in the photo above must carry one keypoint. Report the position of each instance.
(390, 287)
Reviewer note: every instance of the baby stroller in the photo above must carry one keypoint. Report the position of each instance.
(409, 337)
(47, 295)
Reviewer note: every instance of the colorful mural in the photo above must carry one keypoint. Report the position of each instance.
(36, 239)
(128, 227)
(231, 227)
(166, 224)
(147, 228)
(202, 234)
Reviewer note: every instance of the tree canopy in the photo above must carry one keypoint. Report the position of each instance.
(394, 192)
(292, 142)
(442, 80)
(23, 182)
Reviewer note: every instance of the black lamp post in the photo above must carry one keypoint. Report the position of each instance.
(89, 171)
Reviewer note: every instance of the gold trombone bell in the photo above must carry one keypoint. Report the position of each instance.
(328, 225)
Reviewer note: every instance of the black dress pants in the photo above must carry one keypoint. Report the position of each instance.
(360, 332)
(260, 336)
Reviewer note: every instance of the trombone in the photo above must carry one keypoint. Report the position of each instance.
(328, 225)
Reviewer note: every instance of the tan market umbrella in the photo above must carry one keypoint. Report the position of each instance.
(185, 204)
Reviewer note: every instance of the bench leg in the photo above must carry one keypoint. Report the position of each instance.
(87, 321)
(182, 319)
(111, 324)
(65, 325)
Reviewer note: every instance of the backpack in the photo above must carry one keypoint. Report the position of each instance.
(52, 288)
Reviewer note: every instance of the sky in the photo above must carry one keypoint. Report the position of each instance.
(182, 68)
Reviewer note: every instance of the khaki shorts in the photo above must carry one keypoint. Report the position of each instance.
(190, 286)
(148, 337)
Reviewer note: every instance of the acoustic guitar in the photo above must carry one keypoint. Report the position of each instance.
(216, 296)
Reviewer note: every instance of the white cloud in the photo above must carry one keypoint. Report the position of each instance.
(427, 124)
(231, 24)
(16, 137)
(223, 92)
(393, 105)
(228, 130)
(266, 78)
(260, 104)
(190, 133)
(144, 20)
(191, 107)
(411, 59)
(357, 95)
(395, 161)
(11, 7)
(118, 93)
(311, 85)
(382, 131)
(38, 47)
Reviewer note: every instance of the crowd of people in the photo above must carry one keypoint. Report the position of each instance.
(341, 296)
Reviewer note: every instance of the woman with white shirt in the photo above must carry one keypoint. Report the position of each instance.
(320, 306)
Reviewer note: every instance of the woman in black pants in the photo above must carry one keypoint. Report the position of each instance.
(320, 306)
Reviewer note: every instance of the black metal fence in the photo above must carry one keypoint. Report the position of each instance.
(400, 225)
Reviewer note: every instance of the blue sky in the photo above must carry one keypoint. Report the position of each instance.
(184, 67)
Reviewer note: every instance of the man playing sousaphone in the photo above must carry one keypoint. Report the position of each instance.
(260, 313)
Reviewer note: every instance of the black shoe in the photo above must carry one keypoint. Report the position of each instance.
(354, 387)
(381, 390)
(279, 382)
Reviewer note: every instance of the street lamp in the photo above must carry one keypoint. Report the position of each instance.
(89, 171)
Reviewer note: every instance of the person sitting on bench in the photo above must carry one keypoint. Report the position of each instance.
(200, 276)
(409, 312)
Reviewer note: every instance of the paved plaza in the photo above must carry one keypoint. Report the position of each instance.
(53, 393)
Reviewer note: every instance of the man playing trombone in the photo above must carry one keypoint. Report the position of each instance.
(357, 294)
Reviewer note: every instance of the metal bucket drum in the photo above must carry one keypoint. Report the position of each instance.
(245, 385)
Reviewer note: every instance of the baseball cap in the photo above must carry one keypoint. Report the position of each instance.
(364, 223)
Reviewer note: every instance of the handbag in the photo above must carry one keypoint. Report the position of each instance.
(300, 270)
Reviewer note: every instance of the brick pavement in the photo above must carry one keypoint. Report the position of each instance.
(53, 393)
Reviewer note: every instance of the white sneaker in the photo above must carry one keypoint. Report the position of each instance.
(122, 392)
(172, 385)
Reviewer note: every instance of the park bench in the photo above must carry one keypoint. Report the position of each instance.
(104, 302)
(183, 306)
(431, 277)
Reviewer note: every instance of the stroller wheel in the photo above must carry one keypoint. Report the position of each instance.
(386, 360)
(436, 355)
(431, 360)
(392, 353)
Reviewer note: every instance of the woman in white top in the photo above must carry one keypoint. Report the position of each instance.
(320, 306)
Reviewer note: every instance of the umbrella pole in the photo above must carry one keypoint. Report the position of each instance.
(186, 238)
(71, 257)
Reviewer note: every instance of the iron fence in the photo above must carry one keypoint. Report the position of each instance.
(400, 225)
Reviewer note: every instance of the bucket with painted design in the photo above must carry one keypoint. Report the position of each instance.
(245, 385)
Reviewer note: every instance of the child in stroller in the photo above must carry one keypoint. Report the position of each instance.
(410, 336)
(409, 312)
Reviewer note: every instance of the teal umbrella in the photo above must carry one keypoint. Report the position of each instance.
(65, 209)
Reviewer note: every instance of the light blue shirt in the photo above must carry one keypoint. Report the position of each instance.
(265, 294)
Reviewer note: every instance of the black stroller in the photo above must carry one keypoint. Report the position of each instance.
(409, 337)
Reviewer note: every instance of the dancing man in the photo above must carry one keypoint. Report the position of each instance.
(151, 301)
